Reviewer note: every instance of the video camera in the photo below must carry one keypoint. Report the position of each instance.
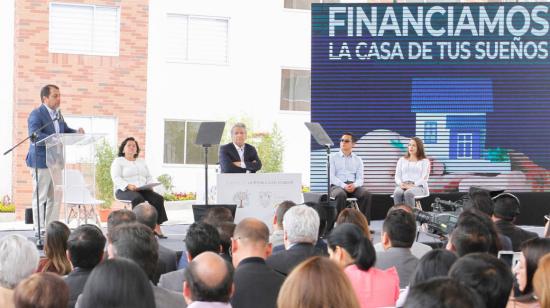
(442, 221)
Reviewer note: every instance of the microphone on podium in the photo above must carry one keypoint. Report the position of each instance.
(60, 116)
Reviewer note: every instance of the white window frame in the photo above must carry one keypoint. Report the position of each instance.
(463, 144)
(430, 132)
(186, 60)
(92, 52)
(185, 164)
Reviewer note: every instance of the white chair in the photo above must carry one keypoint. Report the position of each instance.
(352, 203)
(77, 195)
(124, 202)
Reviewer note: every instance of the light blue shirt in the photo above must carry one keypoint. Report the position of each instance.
(346, 169)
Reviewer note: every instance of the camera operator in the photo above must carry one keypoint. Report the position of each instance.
(504, 214)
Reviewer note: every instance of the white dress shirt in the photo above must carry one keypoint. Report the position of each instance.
(346, 169)
(240, 150)
(53, 115)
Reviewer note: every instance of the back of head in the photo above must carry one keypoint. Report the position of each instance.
(301, 224)
(541, 281)
(42, 290)
(202, 237)
(18, 260)
(146, 214)
(355, 217)
(55, 248)
(119, 217)
(442, 292)
(209, 278)
(506, 206)
(489, 276)
(481, 200)
(317, 282)
(136, 242)
(400, 227)
(253, 231)
(477, 216)
(323, 216)
(117, 283)
(217, 215)
(351, 238)
(85, 246)
(533, 250)
(226, 230)
(435, 263)
(471, 235)
(281, 210)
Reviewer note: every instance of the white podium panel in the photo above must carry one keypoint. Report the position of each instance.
(257, 194)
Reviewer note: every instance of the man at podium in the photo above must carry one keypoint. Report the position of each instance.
(238, 156)
(48, 112)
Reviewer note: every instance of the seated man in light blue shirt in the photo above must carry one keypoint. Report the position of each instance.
(346, 177)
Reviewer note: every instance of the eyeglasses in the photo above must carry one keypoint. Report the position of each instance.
(345, 140)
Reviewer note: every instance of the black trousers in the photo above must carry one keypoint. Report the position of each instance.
(141, 196)
(364, 199)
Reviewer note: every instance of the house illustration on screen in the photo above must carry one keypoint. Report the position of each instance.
(451, 119)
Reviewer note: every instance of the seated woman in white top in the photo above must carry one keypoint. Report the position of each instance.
(411, 174)
(130, 172)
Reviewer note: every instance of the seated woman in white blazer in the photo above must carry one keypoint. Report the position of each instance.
(411, 174)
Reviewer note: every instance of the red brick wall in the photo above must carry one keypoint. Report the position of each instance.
(89, 85)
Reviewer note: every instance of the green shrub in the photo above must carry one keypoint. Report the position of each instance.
(105, 155)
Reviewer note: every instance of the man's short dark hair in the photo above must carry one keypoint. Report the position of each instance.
(489, 276)
(146, 214)
(136, 242)
(442, 292)
(86, 245)
(119, 217)
(469, 236)
(353, 139)
(281, 210)
(226, 229)
(202, 237)
(45, 91)
(200, 291)
(400, 227)
(217, 215)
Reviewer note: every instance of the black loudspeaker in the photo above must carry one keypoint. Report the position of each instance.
(28, 216)
(199, 210)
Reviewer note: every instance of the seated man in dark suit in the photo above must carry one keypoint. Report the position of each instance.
(85, 248)
(168, 258)
(398, 234)
(301, 227)
(238, 156)
(504, 214)
(256, 285)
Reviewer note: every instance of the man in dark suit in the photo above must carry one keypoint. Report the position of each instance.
(300, 228)
(238, 156)
(85, 250)
(256, 285)
(46, 113)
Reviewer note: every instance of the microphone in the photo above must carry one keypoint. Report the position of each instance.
(60, 116)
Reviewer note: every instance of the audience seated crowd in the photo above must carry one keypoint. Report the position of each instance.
(236, 265)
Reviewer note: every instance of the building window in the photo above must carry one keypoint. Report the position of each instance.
(430, 132)
(295, 90)
(305, 4)
(179, 144)
(197, 39)
(464, 144)
(84, 29)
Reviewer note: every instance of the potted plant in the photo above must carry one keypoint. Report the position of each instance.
(105, 155)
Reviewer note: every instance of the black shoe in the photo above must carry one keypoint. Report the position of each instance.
(160, 235)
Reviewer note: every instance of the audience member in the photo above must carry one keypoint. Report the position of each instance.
(217, 215)
(417, 249)
(41, 290)
(398, 234)
(226, 229)
(276, 238)
(490, 277)
(200, 237)
(119, 217)
(470, 235)
(320, 245)
(85, 249)
(168, 258)
(55, 249)
(301, 229)
(481, 200)
(18, 260)
(250, 246)
(506, 209)
(117, 283)
(531, 252)
(435, 263)
(442, 292)
(137, 242)
(353, 251)
(317, 282)
(355, 217)
(541, 281)
(498, 241)
(208, 282)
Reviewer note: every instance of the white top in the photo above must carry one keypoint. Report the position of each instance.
(346, 169)
(124, 172)
(417, 172)
(240, 150)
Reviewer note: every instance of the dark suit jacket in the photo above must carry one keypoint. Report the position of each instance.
(256, 285)
(515, 233)
(37, 119)
(284, 261)
(228, 154)
(76, 281)
(167, 260)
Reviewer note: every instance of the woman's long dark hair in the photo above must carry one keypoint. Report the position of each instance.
(123, 144)
(435, 263)
(533, 250)
(351, 238)
(55, 248)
